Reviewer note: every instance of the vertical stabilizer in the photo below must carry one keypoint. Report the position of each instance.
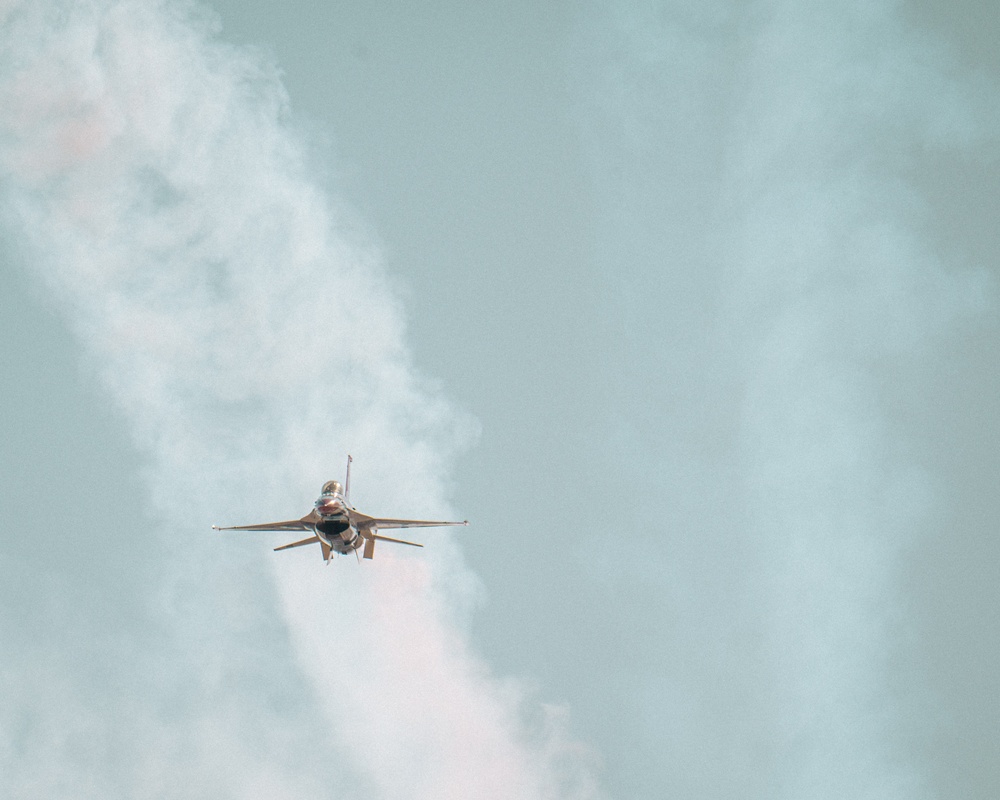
(347, 480)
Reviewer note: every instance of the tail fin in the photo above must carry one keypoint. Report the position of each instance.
(347, 480)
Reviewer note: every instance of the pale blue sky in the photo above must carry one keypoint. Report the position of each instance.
(712, 295)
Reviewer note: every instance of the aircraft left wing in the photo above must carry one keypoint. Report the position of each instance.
(382, 523)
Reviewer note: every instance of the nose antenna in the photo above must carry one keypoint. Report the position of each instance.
(347, 480)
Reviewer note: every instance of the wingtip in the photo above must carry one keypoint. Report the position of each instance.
(216, 528)
(466, 522)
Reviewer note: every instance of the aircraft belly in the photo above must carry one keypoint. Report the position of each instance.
(339, 534)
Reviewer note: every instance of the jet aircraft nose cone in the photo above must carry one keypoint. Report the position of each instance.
(329, 505)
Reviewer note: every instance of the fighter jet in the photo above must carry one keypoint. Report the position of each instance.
(337, 527)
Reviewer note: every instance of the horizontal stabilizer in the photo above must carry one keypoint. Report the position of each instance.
(310, 540)
(381, 538)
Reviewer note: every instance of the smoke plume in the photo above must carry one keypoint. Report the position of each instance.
(250, 339)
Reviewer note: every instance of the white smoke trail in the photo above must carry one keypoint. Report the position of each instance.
(832, 282)
(781, 311)
(250, 345)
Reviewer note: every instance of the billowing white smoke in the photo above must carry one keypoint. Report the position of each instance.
(250, 346)
(832, 284)
(833, 288)
(771, 245)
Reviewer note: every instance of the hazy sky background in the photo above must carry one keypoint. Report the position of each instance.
(692, 310)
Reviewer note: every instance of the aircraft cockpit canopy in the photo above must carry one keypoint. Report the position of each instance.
(333, 487)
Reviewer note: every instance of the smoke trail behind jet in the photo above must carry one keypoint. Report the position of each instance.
(249, 344)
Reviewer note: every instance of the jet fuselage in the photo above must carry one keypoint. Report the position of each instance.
(334, 527)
